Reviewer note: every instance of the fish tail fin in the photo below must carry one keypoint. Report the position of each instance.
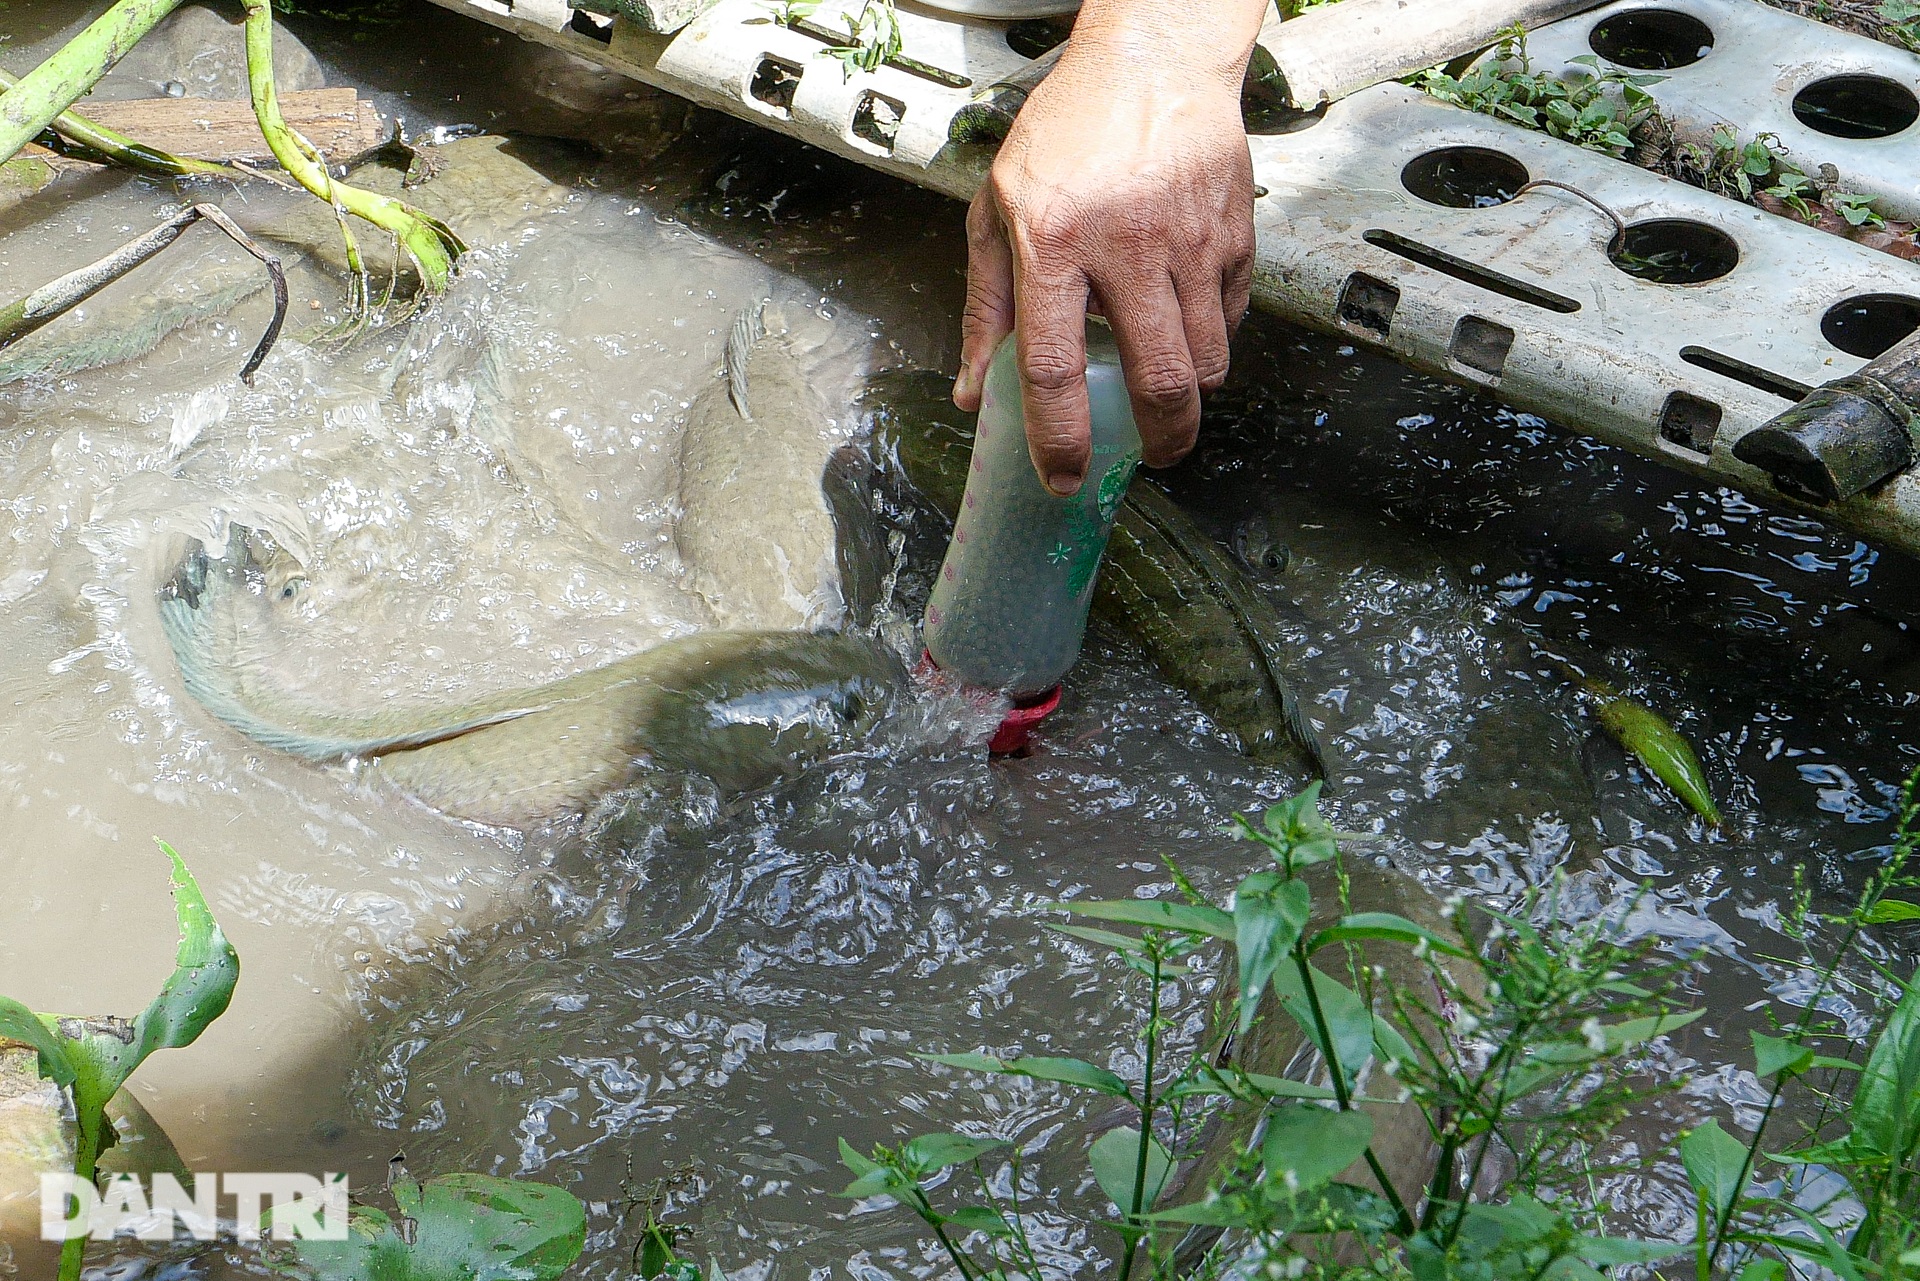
(749, 327)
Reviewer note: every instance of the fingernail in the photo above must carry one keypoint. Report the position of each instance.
(1064, 483)
(965, 383)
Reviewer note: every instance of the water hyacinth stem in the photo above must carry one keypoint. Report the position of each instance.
(429, 242)
(119, 149)
(32, 105)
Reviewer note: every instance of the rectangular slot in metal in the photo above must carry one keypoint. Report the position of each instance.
(877, 119)
(1481, 345)
(1367, 302)
(775, 81)
(1690, 422)
(591, 25)
(1752, 375)
(1471, 273)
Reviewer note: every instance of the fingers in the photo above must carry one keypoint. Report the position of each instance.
(1053, 375)
(989, 313)
(1203, 310)
(1151, 327)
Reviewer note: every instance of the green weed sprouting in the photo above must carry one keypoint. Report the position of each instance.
(1582, 111)
(90, 1058)
(1765, 1211)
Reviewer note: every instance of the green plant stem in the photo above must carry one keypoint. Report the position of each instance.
(119, 149)
(1146, 1125)
(1341, 1093)
(32, 105)
(431, 245)
(90, 1120)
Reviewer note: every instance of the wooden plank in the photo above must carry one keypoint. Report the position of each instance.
(334, 120)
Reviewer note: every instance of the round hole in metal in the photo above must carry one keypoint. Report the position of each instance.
(1032, 37)
(1464, 177)
(1651, 39)
(1676, 251)
(1868, 324)
(1856, 106)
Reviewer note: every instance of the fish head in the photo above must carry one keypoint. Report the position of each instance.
(757, 707)
(1258, 547)
(254, 566)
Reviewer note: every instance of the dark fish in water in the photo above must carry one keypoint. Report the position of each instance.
(1255, 543)
(742, 708)
(1170, 586)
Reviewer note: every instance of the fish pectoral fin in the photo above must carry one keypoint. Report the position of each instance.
(748, 328)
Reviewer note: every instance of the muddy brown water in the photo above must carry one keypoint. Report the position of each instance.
(723, 989)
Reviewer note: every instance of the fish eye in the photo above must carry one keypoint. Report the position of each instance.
(292, 587)
(1276, 558)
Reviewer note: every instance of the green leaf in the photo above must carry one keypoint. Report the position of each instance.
(1306, 1145)
(1236, 1084)
(1889, 910)
(1612, 1251)
(1349, 1031)
(18, 1023)
(1775, 1054)
(1115, 1158)
(1885, 1113)
(1269, 911)
(206, 968)
(1716, 1164)
(1128, 943)
(851, 1158)
(1647, 735)
(932, 1152)
(979, 1218)
(1040, 1068)
(1385, 926)
(1297, 831)
(1158, 913)
(1763, 1270)
(467, 1227)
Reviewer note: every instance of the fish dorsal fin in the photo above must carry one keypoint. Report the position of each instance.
(748, 328)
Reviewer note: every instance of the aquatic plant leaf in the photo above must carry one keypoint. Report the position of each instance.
(1349, 1031)
(871, 1178)
(932, 1152)
(1612, 1251)
(1040, 1068)
(1295, 830)
(1716, 1165)
(1269, 911)
(1307, 1145)
(1775, 1054)
(1126, 943)
(1763, 1270)
(1157, 913)
(18, 1023)
(206, 968)
(1236, 1084)
(466, 1227)
(1385, 926)
(1885, 1112)
(979, 1218)
(1660, 747)
(1115, 1158)
(1889, 910)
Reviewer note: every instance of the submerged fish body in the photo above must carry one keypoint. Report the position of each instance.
(741, 707)
(1206, 627)
(749, 437)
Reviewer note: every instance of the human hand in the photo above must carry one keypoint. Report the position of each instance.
(1125, 186)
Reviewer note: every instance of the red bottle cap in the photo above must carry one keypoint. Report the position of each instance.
(1013, 736)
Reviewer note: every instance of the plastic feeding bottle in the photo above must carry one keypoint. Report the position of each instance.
(1009, 607)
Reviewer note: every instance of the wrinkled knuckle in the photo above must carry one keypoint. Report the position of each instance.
(1050, 367)
(1165, 384)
